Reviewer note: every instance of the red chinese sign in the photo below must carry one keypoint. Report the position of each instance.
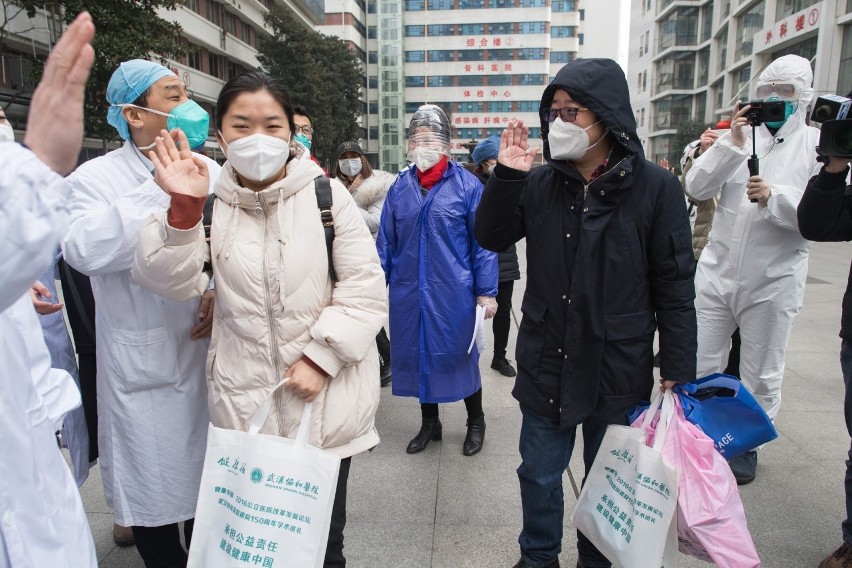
(792, 26)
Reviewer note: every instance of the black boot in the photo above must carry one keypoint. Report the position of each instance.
(384, 372)
(475, 436)
(430, 430)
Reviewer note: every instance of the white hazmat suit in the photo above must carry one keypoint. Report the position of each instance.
(752, 272)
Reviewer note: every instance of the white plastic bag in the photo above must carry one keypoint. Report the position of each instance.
(628, 504)
(264, 500)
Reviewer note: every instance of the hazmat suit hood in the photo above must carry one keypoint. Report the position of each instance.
(600, 86)
(792, 70)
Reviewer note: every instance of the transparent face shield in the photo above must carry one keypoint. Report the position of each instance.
(429, 129)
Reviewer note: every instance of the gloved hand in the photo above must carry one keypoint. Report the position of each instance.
(489, 303)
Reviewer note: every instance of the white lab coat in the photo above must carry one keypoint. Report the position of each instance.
(152, 395)
(752, 272)
(42, 522)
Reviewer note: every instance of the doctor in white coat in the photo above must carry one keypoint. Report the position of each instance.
(42, 522)
(752, 272)
(151, 351)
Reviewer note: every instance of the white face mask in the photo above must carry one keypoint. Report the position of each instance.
(6, 133)
(350, 167)
(568, 141)
(257, 157)
(424, 158)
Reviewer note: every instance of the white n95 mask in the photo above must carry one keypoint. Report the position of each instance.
(257, 157)
(568, 141)
(424, 158)
(350, 167)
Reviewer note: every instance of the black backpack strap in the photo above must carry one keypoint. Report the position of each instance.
(322, 186)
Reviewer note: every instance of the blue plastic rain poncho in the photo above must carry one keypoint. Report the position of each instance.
(435, 271)
(128, 82)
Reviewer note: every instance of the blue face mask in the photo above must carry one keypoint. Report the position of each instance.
(789, 109)
(189, 117)
(303, 140)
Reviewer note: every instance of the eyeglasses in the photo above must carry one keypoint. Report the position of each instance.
(781, 90)
(304, 129)
(567, 114)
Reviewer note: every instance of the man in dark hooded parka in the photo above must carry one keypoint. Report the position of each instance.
(609, 260)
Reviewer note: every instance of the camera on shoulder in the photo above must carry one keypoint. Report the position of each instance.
(764, 111)
(835, 137)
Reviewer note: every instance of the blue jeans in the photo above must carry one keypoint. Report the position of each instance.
(545, 452)
(846, 366)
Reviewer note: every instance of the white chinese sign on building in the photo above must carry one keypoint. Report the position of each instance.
(792, 26)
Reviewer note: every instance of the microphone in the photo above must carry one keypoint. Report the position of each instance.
(779, 140)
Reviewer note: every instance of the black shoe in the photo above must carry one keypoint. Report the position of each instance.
(744, 467)
(430, 430)
(503, 365)
(554, 564)
(475, 436)
(385, 374)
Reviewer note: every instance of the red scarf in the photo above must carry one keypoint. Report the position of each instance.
(431, 176)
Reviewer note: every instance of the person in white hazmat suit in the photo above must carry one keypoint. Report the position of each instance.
(42, 521)
(151, 351)
(752, 272)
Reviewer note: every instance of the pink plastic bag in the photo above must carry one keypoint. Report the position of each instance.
(711, 523)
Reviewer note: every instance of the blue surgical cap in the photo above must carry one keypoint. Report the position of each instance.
(486, 150)
(128, 83)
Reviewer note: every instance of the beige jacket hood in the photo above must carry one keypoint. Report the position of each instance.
(275, 302)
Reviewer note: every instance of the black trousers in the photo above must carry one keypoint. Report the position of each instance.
(383, 345)
(473, 404)
(160, 547)
(334, 550)
(88, 366)
(503, 318)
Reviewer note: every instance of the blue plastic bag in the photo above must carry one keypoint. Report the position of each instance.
(726, 411)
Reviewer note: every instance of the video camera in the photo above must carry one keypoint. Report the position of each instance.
(764, 111)
(835, 137)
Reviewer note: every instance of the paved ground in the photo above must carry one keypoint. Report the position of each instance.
(440, 509)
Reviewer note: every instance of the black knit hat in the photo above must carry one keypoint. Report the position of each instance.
(349, 147)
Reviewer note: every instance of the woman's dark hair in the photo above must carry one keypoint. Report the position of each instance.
(366, 169)
(252, 82)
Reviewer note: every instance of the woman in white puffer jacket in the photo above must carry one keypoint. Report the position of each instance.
(369, 188)
(277, 311)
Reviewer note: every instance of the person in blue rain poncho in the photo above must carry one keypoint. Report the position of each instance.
(437, 274)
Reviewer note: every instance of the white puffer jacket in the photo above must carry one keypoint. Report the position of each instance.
(370, 197)
(275, 302)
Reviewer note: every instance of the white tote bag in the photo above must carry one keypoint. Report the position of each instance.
(264, 500)
(627, 507)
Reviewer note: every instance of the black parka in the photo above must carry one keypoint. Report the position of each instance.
(825, 215)
(633, 269)
(507, 259)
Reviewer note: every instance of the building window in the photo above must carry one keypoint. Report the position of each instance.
(844, 83)
(582, 14)
(214, 13)
(414, 56)
(447, 55)
(535, 28)
(215, 66)
(192, 5)
(531, 53)
(410, 31)
(528, 106)
(532, 4)
(441, 30)
(788, 7)
(563, 6)
(749, 23)
(471, 4)
(414, 5)
(466, 55)
(502, 3)
(373, 82)
(440, 4)
(561, 56)
(563, 31)
(418, 81)
(472, 29)
(580, 38)
(471, 80)
(442, 80)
